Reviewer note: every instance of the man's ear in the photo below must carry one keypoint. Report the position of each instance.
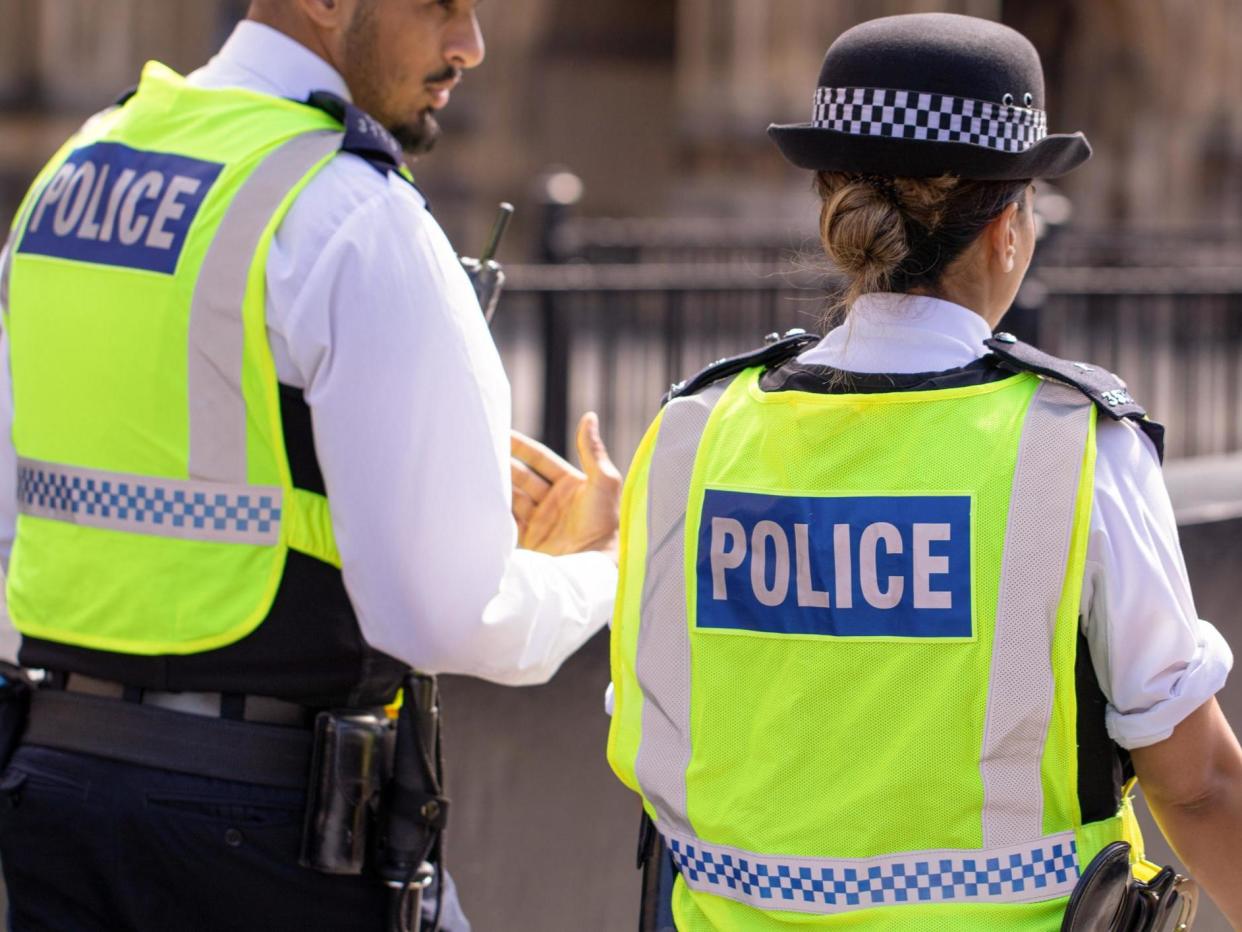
(1002, 238)
(326, 14)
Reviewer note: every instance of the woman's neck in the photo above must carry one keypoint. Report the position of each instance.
(975, 296)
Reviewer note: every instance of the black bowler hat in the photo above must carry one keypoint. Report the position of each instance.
(927, 94)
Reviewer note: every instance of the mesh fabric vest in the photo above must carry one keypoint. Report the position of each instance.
(157, 507)
(844, 652)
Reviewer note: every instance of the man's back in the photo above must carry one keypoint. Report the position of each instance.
(367, 377)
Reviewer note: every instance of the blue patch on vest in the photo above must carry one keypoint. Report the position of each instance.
(114, 205)
(864, 566)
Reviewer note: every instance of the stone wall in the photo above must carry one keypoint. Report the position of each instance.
(1154, 84)
(661, 105)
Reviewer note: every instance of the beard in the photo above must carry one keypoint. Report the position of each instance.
(367, 79)
(418, 136)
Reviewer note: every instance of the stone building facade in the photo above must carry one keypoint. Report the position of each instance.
(661, 105)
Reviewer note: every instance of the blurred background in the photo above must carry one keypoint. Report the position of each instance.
(658, 229)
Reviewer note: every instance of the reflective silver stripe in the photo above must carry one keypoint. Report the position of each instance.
(1042, 869)
(662, 663)
(217, 332)
(6, 269)
(1037, 545)
(6, 261)
(207, 511)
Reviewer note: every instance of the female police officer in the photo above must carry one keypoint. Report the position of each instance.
(888, 609)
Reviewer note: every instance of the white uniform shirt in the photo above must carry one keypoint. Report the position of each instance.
(1156, 660)
(370, 313)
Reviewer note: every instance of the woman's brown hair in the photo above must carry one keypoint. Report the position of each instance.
(901, 234)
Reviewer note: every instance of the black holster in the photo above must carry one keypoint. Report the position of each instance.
(415, 809)
(350, 762)
(375, 798)
(15, 692)
(1108, 898)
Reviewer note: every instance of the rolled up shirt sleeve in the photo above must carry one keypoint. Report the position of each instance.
(1156, 660)
(411, 414)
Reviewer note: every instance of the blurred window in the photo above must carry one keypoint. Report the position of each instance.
(630, 29)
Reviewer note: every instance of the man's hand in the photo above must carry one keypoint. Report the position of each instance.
(560, 509)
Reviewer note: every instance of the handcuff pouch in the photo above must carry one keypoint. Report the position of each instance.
(1109, 898)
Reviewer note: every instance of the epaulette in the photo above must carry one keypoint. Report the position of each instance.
(365, 136)
(1108, 391)
(776, 350)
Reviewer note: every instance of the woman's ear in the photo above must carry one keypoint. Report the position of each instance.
(1002, 238)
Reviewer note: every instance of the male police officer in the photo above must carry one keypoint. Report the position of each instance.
(225, 303)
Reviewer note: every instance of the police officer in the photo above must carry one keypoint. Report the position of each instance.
(227, 306)
(891, 601)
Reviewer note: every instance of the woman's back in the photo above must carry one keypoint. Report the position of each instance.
(843, 616)
(851, 682)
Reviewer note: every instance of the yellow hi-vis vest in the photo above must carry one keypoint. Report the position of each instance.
(155, 497)
(843, 654)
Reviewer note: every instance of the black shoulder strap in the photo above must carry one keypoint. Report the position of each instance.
(776, 350)
(1108, 391)
(365, 136)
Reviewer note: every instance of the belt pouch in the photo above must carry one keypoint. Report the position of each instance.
(15, 690)
(1108, 898)
(347, 772)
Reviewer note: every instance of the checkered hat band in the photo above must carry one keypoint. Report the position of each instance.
(185, 509)
(871, 111)
(1042, 870)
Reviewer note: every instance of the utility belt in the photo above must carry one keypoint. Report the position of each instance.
(154, 735)
(374, 800)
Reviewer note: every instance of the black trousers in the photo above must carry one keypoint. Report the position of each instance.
(93, 845)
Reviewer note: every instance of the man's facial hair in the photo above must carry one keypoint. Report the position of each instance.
(415, 136)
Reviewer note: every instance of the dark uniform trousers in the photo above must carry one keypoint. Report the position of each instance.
(101, 846)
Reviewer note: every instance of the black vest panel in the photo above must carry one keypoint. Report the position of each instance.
(308, 649)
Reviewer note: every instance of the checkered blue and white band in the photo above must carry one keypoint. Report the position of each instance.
(1042, 870)
(186, 509)
(873, 111)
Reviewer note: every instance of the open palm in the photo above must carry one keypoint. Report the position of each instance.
(560, 509)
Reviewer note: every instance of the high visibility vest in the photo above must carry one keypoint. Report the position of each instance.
(844, 654)
(155, 497)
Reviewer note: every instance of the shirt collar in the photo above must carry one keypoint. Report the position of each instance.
(260, 58)
(899, 333)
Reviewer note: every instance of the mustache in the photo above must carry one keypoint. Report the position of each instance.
(448, 73)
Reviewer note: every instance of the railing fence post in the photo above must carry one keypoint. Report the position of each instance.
(559, 190)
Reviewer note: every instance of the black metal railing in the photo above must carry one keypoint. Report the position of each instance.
(691, 240)
(613, 337)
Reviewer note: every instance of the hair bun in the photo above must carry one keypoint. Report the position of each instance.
(863, 231)
(895, 234)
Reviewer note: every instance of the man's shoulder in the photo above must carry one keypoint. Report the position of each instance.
(349, 184)
(348, 191)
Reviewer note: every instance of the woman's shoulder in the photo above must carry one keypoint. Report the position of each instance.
(776, 350)
(1106, 389)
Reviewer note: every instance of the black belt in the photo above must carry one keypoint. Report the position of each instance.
(248, 752)
(236, 706)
